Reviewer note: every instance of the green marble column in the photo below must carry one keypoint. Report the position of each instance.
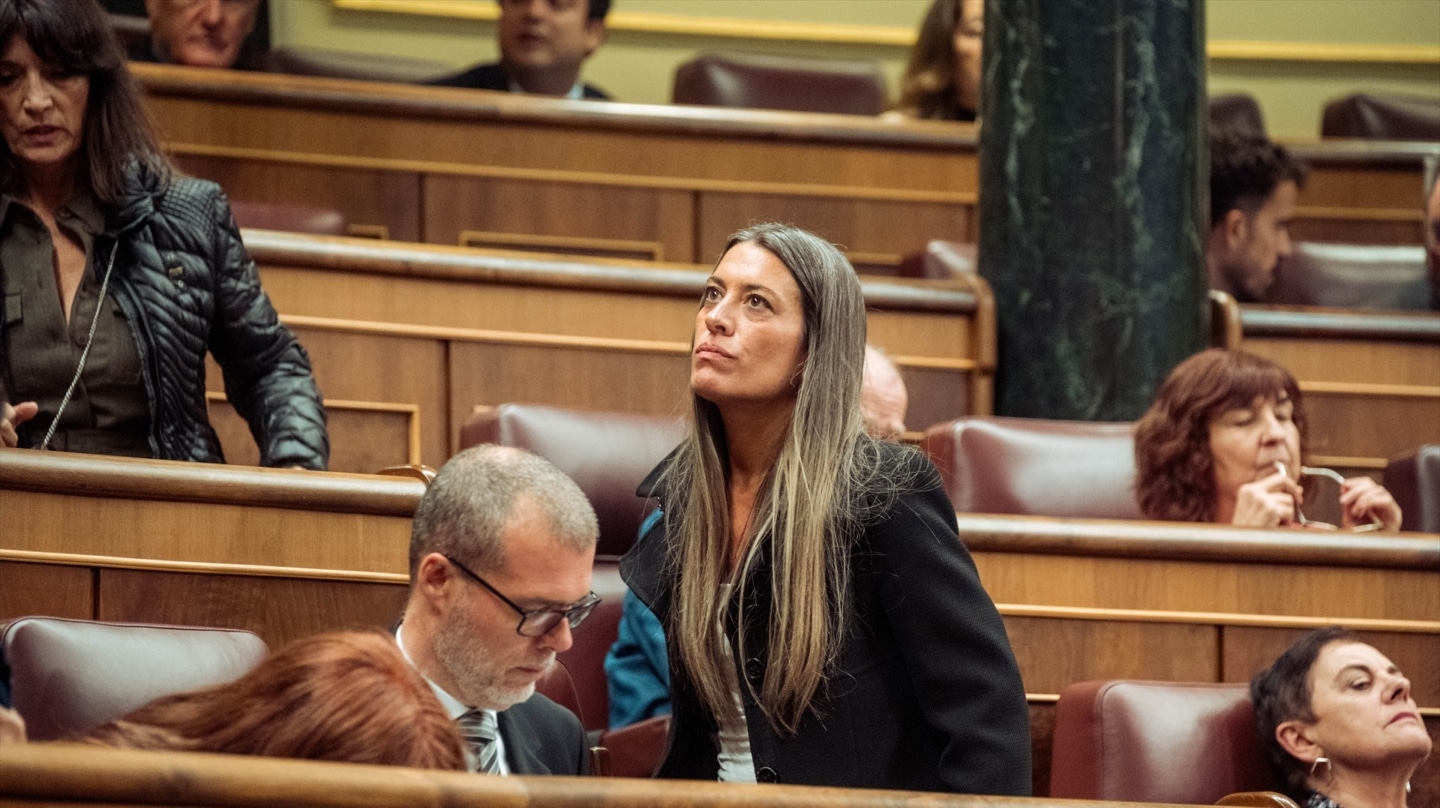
(1092, 178)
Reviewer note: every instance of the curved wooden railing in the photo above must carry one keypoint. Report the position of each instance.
(1176, 541)
(60, 774)
(137, 479)
(962, 295)
(410, 101)
(1311, 322)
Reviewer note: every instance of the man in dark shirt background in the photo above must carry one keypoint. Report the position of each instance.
(543, 44)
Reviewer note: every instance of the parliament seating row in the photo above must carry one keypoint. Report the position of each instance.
(459, 328)
(1082, 599)
(68, 676)
(407, 339)
(663, 183)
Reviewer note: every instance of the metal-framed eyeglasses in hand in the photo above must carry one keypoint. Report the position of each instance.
(538, 622)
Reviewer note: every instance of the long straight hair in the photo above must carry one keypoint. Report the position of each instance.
(806, 512)
(74, 37)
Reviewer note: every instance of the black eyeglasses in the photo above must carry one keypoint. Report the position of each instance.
(538, 622)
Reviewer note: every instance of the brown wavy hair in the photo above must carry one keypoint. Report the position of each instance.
(347, 696)
(1175, 472)
(927, 90)
(74, 37)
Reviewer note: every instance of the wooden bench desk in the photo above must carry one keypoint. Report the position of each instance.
(407, 338)
(1371, 380)
(645, 182)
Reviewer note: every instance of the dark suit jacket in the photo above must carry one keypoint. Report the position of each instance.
(925, 693)
(541, 737)
(492, 77)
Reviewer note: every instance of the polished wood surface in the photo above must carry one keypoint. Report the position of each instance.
(460, 166)
(58, 774)
(1371, 380)
(454, 167)
(198, 512)
(407, 339)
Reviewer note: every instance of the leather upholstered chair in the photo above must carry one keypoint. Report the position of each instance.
(1171, 742)
(941, 259)
(320, 221)
(607, 454)
(1236, 112)
(1414, 480)
(767, 81)
(68, 676)
(637, 750)
(1382, 117)
(1352, 276)
(1027, 466)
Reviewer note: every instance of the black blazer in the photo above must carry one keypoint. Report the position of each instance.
(492, 77)
(541, 737)
(925, 694)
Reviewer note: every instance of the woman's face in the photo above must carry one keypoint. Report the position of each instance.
(1246, 442)
(969, 33)
(44, 121)
(1364, 714)
(749, 332)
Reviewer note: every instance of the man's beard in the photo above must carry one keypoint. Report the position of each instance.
(480, 681)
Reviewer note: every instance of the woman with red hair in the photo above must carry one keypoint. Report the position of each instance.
(1223, 443)
(348, 696)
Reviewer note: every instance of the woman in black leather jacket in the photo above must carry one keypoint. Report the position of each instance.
(118, 276)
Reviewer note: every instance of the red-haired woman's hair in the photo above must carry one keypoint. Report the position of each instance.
(1175, 477)
(348, 696)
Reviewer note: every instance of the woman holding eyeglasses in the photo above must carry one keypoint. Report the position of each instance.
(824, 623)
(1223, 443)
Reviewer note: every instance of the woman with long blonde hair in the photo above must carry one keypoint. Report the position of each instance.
(824, 623)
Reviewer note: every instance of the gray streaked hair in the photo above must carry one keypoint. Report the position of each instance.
(465, 510)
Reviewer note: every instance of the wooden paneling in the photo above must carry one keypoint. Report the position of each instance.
(1362, 192)
(874, 227)
(1250, 649)
(57, 590)
(279, 609)
(593, 377)
(206, 513)
(506, 164)
(1055, 652)
(572, 213)
(375, 202)
(365, 436)
(1371, 382)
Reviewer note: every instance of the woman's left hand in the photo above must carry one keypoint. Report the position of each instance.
(1365, 500)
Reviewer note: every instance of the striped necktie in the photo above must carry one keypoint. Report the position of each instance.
(479, 729)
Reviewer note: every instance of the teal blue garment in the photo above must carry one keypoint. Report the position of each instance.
(637, 669)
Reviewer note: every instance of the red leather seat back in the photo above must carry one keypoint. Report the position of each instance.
(289, 218)
(1027, 466)
(1171, 742)
(69, 676)
(607, 454)
(1414, 480)
(1382, 117)
(1237, 112)
(636, 750)
(941, 259)
(1352, 276)
(767, 81)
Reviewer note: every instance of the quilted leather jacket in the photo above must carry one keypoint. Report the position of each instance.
(186, 285)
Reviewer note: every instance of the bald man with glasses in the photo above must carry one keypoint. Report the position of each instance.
(501, 553)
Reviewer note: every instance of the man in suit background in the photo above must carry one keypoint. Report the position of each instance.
(543, 44)
(501, 553)
(200, 33)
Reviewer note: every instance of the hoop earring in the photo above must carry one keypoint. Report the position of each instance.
(1329, 771)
